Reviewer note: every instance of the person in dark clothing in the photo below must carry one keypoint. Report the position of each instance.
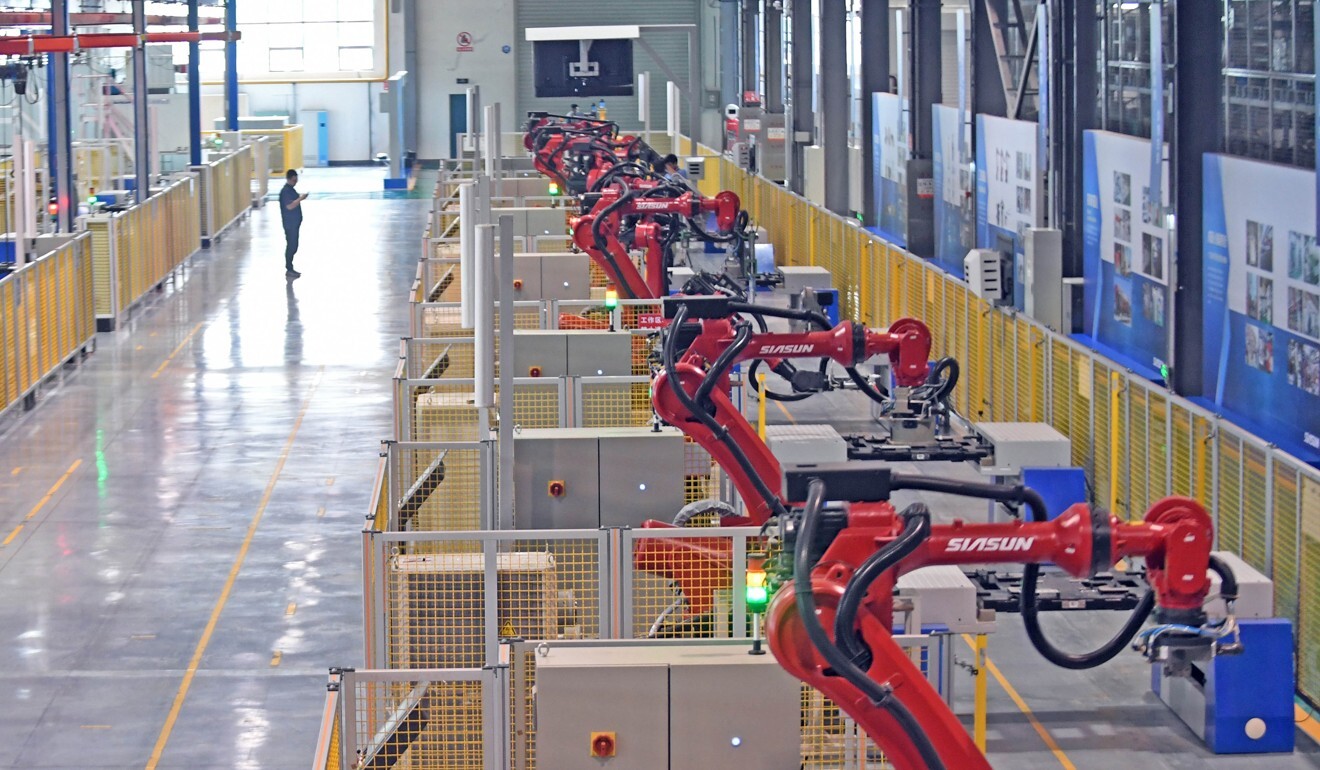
(291, 214)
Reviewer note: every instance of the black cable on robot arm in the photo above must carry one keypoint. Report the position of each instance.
(1001, 492)
(877, 393)
(598, 236)
(947, 385)
(811, 316)
(1031, 616)
(618, 169)
(785, 370)
(916, 528)
(880, 695)
(670, 361)
(742, 338)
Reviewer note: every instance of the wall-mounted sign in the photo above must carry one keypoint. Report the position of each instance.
(464, 42)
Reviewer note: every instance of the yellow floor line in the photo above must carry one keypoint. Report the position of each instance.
(292, 608)
(16, 471)
(784, 409)
(276, 658)
(40, 503)
(10, 538)
(1044, 734)
(51, 492)
(223, 599)
(177, 350)
(1306, 723)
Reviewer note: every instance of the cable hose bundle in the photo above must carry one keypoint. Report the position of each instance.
(880, 695)
(698, 411)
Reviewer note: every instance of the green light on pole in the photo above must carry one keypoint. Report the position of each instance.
(611, 298)
(758, 589)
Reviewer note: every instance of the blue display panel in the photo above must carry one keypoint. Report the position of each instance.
(889, 155)
(1126, 252)
(955, 204)
(1261, 298)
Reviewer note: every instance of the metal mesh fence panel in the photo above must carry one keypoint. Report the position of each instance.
(417, 725)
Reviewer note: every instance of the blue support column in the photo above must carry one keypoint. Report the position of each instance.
(59, 127)
(142, 148)
(231, 66)
(194, 90)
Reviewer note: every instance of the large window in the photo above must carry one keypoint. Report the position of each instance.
(288, 40)
(1269, 80)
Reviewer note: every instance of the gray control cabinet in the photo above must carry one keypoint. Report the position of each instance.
(539, 353)
(568, 456)
(572, 353)
(641, 475)
(533, 222)
(565, 276)
(668, 706)
(562, 276)
(526, 276)
(607, 477)
(599, 354)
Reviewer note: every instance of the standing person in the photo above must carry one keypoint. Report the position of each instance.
(291, 214)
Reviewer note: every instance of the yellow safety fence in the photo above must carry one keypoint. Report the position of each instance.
(284, 148)
(46, 317)
(329, 743)
(1138, 442)
(134, 250)
(225, 191)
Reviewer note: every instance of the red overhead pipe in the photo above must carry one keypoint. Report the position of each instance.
(42, 19)
(34, 44)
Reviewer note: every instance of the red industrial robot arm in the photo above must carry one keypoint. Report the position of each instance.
(701, 406)
(849, 591)
(597, 232)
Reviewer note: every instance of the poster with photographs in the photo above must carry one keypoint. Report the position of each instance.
(1122, 188)
(1127, 262)
(1123, 225)
(1260, 348)
(1304, 367)
(1304, 312)
(954, 204)
(1260, 298)
(1152, 256)
(1123, 300)
(889, 140)
(1008, 201)
(1303, 258)
(1152, 304)
(1261, 293)
(1123, 259)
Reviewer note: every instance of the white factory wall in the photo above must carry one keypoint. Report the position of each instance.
(441, 65)
(358, 131)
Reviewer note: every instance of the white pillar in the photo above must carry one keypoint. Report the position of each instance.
(484, 306)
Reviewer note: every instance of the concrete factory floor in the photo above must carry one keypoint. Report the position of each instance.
(180, 518)
(180, 523)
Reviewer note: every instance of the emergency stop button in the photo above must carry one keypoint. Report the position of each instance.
(602, 745)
